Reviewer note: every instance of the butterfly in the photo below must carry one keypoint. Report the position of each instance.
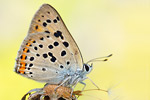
(49, 53)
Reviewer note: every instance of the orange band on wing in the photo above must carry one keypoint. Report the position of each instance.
(23, 57)
(22, 68)
(25, 50)
(28, 44)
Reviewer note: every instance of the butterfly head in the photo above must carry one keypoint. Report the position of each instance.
(87, 68)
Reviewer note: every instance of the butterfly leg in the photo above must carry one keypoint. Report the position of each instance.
(74, 86)
(82, 88)
(65, 80)
(84, 85)
(36, 90)
(93, 83)
(46, 84)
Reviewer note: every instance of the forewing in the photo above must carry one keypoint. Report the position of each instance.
(48, 20)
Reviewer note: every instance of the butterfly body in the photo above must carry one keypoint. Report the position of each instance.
(49, 53)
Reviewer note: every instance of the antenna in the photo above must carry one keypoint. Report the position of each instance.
(105, 58)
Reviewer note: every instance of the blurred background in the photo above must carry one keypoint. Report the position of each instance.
(100, 27)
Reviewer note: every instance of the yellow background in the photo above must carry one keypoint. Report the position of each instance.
(100, 27)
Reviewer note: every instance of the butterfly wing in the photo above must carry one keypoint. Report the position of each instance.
(48, 20)
(49, 51)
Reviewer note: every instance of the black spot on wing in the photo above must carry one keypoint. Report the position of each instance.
(41, 46)
(31, 58)
(29, 68)
(45, 55)
(26, 64)
(48, 21)
(61, 66)
(25, 57)
(21, 57)
(50, 54)
(68, 62)
(55, 21)
(63, 53)
(66, 44)
(35, 48)
(43, 69)
(30, 65)
(39, 20)
(36, 27)
(50, 46)
(37, 55)
(41, 38)
(53, 59)
(48, 12)
(44, 24)
(57, 18)
(47, 32)
(34, 41)
(47, 36)
(58, 34)
(56, 43)
(28, 51)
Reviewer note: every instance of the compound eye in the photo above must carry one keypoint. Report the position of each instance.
(86, 67)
